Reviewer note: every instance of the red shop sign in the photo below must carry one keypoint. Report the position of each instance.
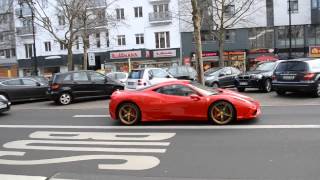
(125, 54)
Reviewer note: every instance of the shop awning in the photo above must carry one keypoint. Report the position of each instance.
(265, 58)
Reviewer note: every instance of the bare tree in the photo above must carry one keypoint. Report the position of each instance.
(67, 11)
(196, 18)
(225, 14)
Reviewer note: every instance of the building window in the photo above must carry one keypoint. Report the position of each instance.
(160, 8)
(120, 14)
(139, 38)
(229, 35)
(107, 39)
(138, 12)
(62, 20)
(121, 40)
(28, 50)
(63, 45)
(229, 10)
(7, 51)
(98, 40)
(1, 53)
(47, 46)
(162, 39)
(293, 6)
(13, 52)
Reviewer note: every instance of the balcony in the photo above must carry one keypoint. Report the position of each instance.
(160, 17)
(24, 31)
(159, 1)
(93, 24)
(24, 11)
(97, 3)
(6, 27)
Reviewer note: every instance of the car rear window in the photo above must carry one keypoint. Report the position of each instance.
(136, 74)
(292, 66)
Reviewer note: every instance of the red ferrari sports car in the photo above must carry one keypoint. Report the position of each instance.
(181, 100)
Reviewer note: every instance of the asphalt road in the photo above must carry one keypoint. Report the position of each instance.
(40, 140)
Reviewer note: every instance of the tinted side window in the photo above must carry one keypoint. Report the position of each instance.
(136, 74)
(29, 82)
(80, 76)
(292, 66)
(159, 73)
(176, 90)
(96, 76)
(14, 82)
(67, 77)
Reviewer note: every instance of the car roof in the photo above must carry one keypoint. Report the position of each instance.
(70, 72)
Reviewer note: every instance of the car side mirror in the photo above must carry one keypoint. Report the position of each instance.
(38, 84)
(222, 74)
(150, 76)
(195, 97)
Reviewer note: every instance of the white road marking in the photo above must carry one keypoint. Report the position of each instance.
(20, 177)
(114, 136)
(91, 116)
(200, 127)
(129, 162)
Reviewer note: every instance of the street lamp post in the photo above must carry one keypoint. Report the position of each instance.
(290, 30)
(35, 60)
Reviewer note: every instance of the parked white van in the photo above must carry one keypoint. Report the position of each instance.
(140, 78)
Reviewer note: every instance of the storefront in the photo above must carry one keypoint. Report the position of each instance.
(314, 51)
(8, 70)
(235, 59)
(255, 56)
(141, 58)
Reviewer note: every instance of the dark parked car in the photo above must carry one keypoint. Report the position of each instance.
(41, 79)
(66, 87)
(22, 89)
(298, 75)
(221, 77)
(183, 72)
(4, 104)
(260, 77)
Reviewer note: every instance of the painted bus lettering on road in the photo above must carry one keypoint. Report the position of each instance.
(63, 141)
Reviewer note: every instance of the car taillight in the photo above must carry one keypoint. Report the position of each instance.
(274, 78)
(55, 86)
(309, 76)
(141, 82)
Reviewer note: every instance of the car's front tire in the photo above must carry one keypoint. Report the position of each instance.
(215, 85)
(267, 86)
(316, 92)
(222, 113)
(64, 98)
(129, 114)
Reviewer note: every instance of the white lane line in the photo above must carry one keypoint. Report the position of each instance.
(200, 127)
(93, 116)
(20, 177)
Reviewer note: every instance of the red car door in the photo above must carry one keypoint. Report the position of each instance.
(178, 104)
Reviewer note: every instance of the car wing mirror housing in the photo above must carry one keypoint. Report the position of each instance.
(195, 97)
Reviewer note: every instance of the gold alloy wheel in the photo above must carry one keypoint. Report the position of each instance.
(222, 113)
(128, 114)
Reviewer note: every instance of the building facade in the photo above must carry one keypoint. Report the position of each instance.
(268, 36)
(8, 63)
(144, 33)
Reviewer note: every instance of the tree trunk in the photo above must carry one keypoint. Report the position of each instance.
(221, 52)
(85, 58)
(70, 58)
(196, 18)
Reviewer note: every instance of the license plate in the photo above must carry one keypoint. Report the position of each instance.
(131, 83)
(288, 77)
(243, 83)
(3, 106)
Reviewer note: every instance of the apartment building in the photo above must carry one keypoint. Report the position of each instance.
(145, 32)
(8, 63)
(265, 32)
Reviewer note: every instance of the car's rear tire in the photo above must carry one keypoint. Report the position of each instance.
(316, 93)
(129, 114)
(65, 98)
(215, 85)
(267, 86)
(222, 113)
(241, 89)
(281, 92)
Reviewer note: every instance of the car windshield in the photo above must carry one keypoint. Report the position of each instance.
(136, 74)
(292, 66)
(211, 71)
(265, 66)
(182, 71)
(207, 91)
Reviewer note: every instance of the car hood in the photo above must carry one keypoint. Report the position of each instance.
(254, 72)
(236, 95)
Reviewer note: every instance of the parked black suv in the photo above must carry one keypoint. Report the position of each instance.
(65, 87)
(298, 75)
(260, 77)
